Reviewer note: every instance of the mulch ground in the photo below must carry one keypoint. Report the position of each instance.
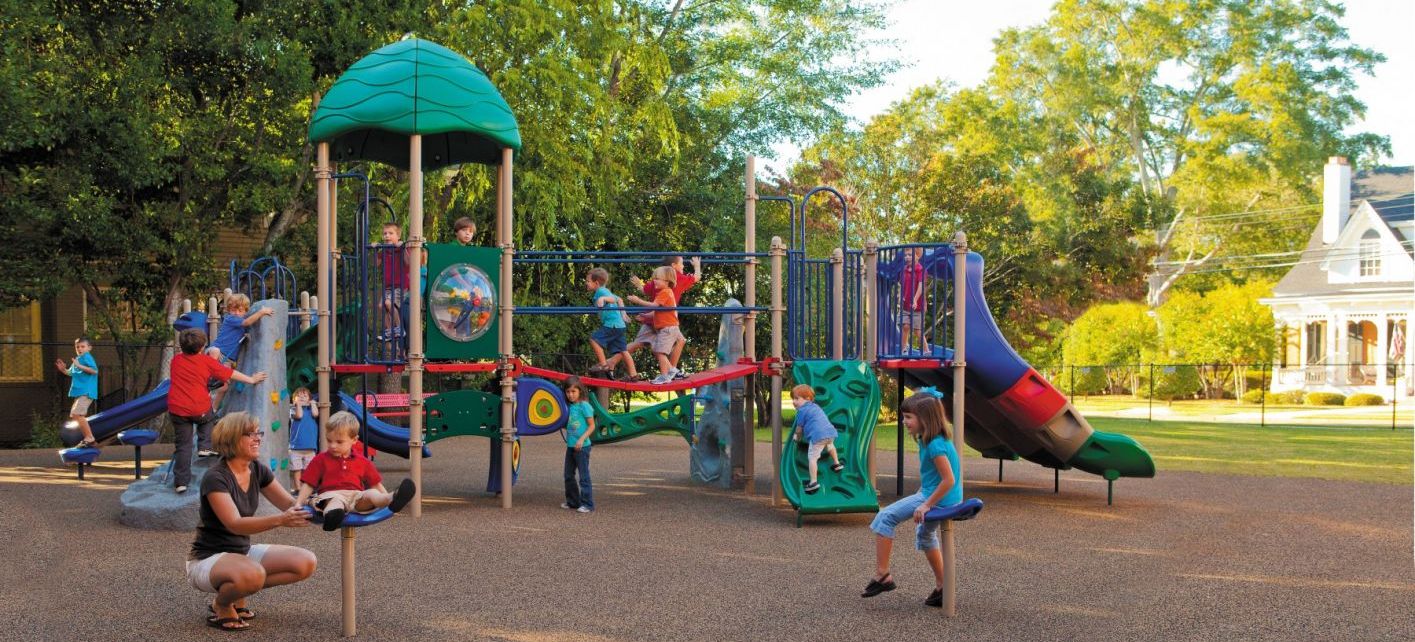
(1183, 556)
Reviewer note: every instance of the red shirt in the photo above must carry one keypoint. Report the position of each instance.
(682, 282)
(188, 396)
(913, 279)
(328, 472)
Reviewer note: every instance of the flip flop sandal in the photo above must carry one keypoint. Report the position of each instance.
(241, 612)
(221, 622)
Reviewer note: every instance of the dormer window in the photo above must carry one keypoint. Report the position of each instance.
(1371, 253)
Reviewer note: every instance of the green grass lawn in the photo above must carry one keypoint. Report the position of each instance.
(1377, 455)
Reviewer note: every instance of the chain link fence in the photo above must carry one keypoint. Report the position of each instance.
(1355, 394)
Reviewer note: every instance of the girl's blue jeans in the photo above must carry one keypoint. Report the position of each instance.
(889, 517)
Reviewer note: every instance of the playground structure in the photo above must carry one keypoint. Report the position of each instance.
(835, 321)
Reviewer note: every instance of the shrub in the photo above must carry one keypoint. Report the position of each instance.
(1255, 396)
(1365, 399)
(1089, 380)
(1324, 399)
(1176, 382)
(1289, 398)
(44, 428)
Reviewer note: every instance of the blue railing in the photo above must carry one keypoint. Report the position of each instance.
(915, 323)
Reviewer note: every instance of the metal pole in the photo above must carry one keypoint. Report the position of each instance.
(837, 304)
(872, 339)
(346, 575)
(1152, 390)
(778, 252)
(508, 385)
(960, 287)
(749, 342)
(335, 260)
(323, 285)
(1263, 399)
(415, 322)
(899, 433)
(304, 311)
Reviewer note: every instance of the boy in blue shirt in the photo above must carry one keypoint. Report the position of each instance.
(83, 389)
(228, 337)
(578, 430)
(610, 337)
(818, 430)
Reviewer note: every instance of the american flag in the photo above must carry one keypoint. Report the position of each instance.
(1397, 345)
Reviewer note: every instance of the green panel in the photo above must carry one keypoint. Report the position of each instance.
(301, 360)
(414, 86)
(467, 297)
(1112, 455)
(849, 394)
(462, 413)
(673, 415)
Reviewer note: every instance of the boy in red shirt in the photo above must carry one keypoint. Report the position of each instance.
(648, 330)
(189, 401)
(342, 480)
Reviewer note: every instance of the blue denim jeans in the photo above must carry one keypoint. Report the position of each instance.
(889, 517)
(578, 494)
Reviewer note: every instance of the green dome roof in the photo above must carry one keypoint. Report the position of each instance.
(414, 86)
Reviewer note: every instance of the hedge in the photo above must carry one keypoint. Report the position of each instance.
(1365, 399)
(1324, 399)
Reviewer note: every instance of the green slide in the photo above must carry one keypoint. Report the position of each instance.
(849, 394)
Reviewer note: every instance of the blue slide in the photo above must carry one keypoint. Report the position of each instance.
(381, 435)
(107, 424)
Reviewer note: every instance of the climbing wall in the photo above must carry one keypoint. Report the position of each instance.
(268, 401)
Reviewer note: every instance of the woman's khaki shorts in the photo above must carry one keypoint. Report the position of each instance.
(199, 571)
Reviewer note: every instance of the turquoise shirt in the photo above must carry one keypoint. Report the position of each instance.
(611, 317)
(928, 473)
(577, 423)
(84, 384)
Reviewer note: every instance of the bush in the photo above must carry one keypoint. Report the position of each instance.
(1289, 398)
(1324, 399)
(44, 428)
(1176, 382)
(1365, 399)
(1255, 396)
(1089, 380)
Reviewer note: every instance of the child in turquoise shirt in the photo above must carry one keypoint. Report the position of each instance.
(578, 429)
(83, 386)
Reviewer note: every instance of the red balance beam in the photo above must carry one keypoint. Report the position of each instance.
(696, 380)
(371, 368)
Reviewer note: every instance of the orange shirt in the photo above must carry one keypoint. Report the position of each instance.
(664, 297)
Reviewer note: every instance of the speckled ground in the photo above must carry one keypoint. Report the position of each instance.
(1183, 556)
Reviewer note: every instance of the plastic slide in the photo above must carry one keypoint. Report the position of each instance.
(381, 435)
(107, 424)
(1011, 410)
(849, 394)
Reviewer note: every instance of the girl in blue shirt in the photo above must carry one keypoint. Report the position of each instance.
(940, 485)
(578, 429)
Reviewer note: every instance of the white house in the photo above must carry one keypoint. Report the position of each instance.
(1346, 304)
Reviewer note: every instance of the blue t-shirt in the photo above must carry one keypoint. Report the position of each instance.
(228, 337)
(304, 432)
(928, 473)
(577, 423)
(813, 423)
(610, 317)
(84, 384)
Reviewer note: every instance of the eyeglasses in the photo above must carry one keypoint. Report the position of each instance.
(257, 435)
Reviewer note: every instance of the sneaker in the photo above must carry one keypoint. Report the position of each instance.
(404, 494)
(584, 509)
(333, 519)
(935, 599)
(179, 490)
(662, 379)
(679, 374)
(812, 487)
(838, 466)
(567, 505)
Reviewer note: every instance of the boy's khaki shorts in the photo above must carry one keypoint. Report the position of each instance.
(665, 338)
(349, 498)
(81, 404)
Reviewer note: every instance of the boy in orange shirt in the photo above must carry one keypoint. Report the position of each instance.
(666, 334)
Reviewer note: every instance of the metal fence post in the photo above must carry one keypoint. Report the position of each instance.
(1263, 399)
(1152, 391)
(1072, 392)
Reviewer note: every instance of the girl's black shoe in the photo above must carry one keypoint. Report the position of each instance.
(875, 587)
(935, 599)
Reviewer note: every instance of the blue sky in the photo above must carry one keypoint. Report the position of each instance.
(953, 40)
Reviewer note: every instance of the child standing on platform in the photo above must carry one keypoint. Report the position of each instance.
(609, 338)
(940, 485)
(912, 302)
(83, 386)
(667, 338)
(395, 282)
(343, 481)
(818, 431)
(579, 427)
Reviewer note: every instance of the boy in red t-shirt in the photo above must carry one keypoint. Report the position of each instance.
(189, 401)
(342, 480)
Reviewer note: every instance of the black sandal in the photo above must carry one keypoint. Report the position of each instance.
(403, 495)
(221, 622)
(877, 586)
(838, 466)
(241, 612)
(935, 599)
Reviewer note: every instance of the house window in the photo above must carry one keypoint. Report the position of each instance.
(1371, 253)
(1316, 342)
(21, 356)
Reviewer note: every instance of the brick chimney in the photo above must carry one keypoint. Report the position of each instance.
(1336, 197)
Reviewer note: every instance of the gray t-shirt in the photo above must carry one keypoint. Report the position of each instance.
(212, 535)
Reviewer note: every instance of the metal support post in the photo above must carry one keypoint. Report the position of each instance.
(778, 252)
(960, 344)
